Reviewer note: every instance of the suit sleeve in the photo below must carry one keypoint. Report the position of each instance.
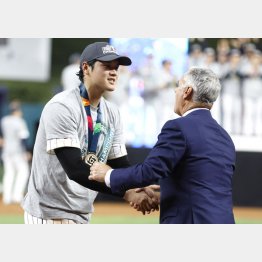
(160, 163)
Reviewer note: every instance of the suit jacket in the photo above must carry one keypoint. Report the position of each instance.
(194, 161)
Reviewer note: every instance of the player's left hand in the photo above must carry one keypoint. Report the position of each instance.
(98, 172)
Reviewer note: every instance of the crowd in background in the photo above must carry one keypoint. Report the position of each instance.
(146, 96)
(237, 62)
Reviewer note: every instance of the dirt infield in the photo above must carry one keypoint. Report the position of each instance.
(110, 209)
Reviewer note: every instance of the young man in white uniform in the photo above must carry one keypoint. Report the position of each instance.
(16, 167)
(77, 128)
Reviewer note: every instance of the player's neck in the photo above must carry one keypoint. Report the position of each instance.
(94, 95)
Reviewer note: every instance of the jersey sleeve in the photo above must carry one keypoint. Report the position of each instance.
(60, 126)
(118, 148)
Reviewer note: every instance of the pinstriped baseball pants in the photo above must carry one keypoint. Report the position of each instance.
(29, 219)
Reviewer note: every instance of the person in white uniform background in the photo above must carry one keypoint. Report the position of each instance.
(14, 154)
(69, 79)
(232, 95)
(165, 95)
(211, 63)
(252, 95)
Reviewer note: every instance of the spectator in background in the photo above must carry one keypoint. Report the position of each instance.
(257, 43)
(196, 56)
(210, 60)
(240, 80)
(247, 53)
(252, 95)
(149, 72)
(210, 63)
(167, 82)
(69, 79)
(134, 111)
(15, 157)
(202, 42)
(223, 46)
(239, 43)
(231, 94)
(222, 60)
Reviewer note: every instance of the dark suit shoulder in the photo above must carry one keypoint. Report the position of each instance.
(195, 117)
(180, 122)
(173, 124)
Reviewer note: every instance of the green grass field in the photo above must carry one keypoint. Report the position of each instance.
(18, 219)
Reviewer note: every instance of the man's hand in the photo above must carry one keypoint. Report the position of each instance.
(98, 172)
(144, 199)
(153, 193)
(141, 201)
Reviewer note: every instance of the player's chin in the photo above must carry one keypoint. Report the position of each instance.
(111, 87)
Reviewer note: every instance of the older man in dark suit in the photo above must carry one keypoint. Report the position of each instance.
(193, 159)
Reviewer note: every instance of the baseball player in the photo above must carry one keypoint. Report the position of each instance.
(69, 78)
(77, 128)
(16, 167)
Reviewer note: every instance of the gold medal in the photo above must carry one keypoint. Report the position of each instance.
(90, 159)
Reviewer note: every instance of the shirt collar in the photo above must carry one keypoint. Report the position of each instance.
(192, 110)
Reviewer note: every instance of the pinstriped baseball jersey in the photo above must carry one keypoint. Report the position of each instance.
(51, 194)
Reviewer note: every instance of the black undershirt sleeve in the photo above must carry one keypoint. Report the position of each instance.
(78, 171)
(120, 162)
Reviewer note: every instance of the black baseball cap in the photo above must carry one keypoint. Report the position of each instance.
(103, 51)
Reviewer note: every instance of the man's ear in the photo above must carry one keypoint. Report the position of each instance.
(85, 68)
(188, 93)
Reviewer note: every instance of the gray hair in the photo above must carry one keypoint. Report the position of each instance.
(205, 84)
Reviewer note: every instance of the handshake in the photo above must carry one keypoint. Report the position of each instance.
(144, 199)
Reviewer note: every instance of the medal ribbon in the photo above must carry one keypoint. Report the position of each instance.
(93, 132)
